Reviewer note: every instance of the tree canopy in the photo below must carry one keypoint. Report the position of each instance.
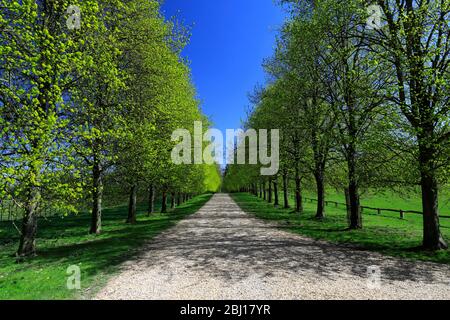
(87, 107)
(359, 105)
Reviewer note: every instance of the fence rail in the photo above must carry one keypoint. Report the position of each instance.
(9, 211)
(379, 210)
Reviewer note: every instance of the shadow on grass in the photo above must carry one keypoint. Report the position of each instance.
(224, 243)
(394, 237)
(65, 241)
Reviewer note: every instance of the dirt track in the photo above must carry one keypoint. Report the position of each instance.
(223, 253)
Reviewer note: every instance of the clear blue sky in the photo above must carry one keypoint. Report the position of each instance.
(230, 39)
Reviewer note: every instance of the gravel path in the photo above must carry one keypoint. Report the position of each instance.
(223, 253)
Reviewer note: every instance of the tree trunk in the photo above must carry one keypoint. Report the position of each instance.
(132, 205)
(164, 202)
(264, 191)
(275, 192)
(355, 208)
(178, 199)
(353, 192)
(298, 192)
(347, 203)
(260, 190)
(97, 194)
(151, 200)
(285, 191)
(270, 191)
(432, 237)
(172, 200)
(27, 245)
(320, 185)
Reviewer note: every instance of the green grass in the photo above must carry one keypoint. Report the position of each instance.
(385, 233)
(388, 199)
(65, 241)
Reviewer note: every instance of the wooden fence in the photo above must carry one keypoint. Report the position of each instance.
(9, 211)
(379, 210)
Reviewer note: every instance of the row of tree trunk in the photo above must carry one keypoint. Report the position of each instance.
(269, 191)
(176, 199)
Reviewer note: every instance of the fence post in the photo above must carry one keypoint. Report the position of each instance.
(402, 214)
(379, 211)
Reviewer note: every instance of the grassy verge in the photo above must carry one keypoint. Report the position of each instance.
(389, 199)
(65, 241)
(387, 234)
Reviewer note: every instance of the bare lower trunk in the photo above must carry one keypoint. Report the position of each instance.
(132, 205)
(260, 190)
(432, 237)
(172, 200)
(270, 192)
(178, 199)
(355, 207)
(298, 192)
(27, 245)
(264, 191)
(347, 204)
(285, 191)
(275, 191)
(320, 185)
(97, 194)
(353, 192)
(164, 202)
(151, 200)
